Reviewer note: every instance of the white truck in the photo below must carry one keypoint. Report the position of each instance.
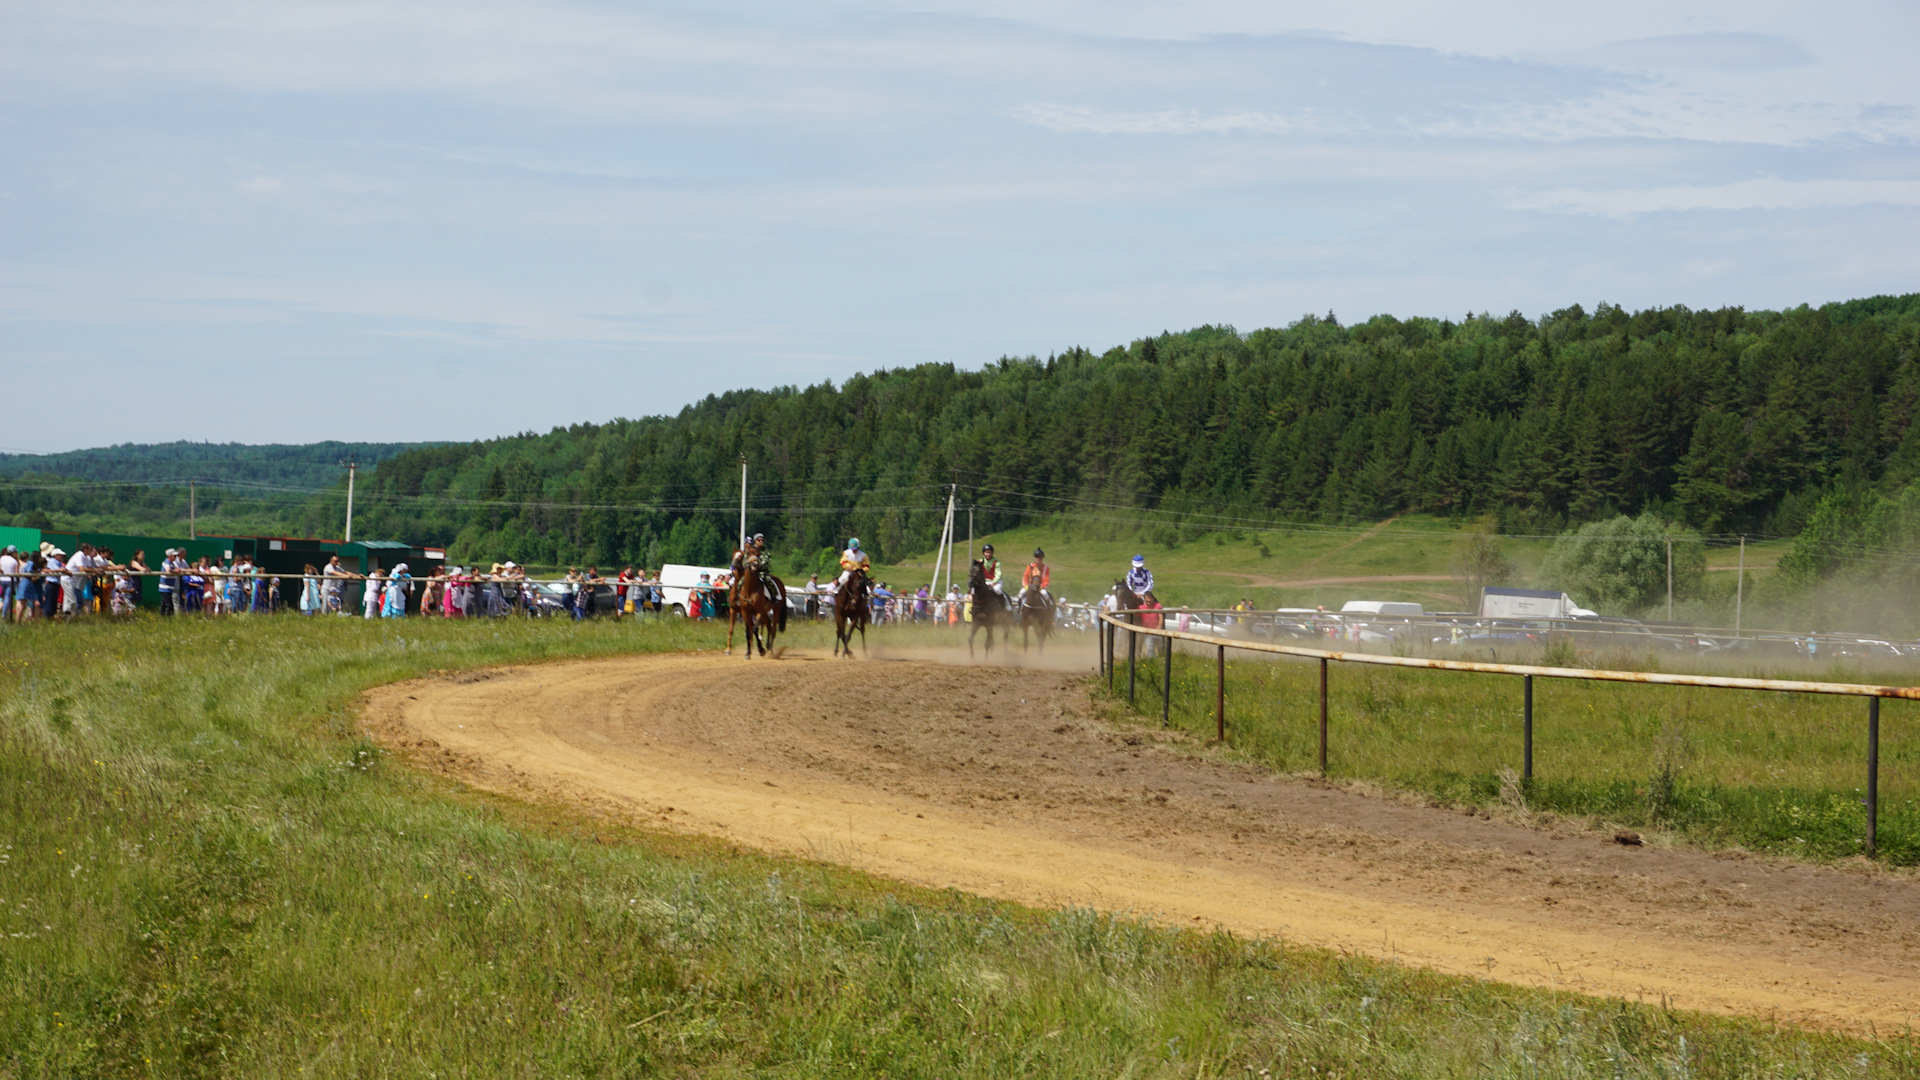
(1503, 603)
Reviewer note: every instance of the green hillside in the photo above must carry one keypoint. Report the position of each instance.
(1727, 422)
(295, 465)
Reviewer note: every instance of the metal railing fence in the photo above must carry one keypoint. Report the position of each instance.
(1117, 622)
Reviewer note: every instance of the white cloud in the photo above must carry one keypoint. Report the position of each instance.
(1758, 194)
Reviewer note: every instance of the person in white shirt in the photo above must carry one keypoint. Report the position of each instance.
(9, 589)
(371, 597)
(73, 581)
(171, 567)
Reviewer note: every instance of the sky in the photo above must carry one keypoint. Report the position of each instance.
(261, 222)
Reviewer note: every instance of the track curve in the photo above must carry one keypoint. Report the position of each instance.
(998, 781)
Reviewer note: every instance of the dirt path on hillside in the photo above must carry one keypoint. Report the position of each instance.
(997, 782)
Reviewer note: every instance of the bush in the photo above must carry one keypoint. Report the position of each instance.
(1619, 566)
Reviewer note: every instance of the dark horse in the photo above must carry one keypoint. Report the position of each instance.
(989, 608)
(1036, 614)
(852, 608)
(1128, 602)
(761, 604)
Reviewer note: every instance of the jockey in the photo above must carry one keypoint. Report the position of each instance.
(1140, 579)
(762, 559)
(1037, 575)
(850, 560)
(990, 569)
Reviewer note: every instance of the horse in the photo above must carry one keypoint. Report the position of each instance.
(759, 602)
(852, 610)
(989, 607)
(1036, 614)
(1127, 602)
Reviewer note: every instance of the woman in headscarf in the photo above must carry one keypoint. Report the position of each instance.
(398, 585)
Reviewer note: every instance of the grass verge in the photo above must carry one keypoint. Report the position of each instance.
(206, 871)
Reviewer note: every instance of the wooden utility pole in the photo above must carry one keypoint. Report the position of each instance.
(352, 467)
(1740, 586)
(1669, 579)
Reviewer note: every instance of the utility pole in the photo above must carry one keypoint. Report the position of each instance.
(743, 502)
(953, 492)
(946, 543)
(1669, 579)
(1740, 586)
(352, 467)
(192, 533)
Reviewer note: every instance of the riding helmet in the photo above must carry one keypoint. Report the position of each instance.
(1038, 554)
(853, 544)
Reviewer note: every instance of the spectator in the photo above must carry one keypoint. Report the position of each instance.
(126, 586)
(371, 596)
(74, 581)
(53, 585)
(399, 584)
(170, 570)
(32, 586)
(9, 582)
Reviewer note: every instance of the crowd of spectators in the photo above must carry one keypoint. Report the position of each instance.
(51, 582)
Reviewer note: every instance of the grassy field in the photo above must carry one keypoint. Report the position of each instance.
(206, 871)
(1406, 558)
(1771, 772)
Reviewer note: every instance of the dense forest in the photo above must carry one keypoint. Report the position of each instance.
(1726, 421)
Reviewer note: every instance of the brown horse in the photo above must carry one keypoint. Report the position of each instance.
(759, 602)
(852, 609)
(1036, 615)
(989, 608)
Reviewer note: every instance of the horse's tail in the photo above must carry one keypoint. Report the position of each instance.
(783, 611)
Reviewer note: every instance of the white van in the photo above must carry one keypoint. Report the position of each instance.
(677, 580)
(1381, 607)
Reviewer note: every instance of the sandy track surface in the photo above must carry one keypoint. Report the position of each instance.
(997, 781)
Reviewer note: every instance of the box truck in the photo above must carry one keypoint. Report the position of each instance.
(1503, 603)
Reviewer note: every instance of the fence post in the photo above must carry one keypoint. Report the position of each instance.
(1873, 776)
(1323, 717)
(1133, 640)
(1106, 652)
(1526, 767)
(1220, 695)
(1166, 686)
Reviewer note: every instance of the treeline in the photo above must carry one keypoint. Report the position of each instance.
(294, 465)
(1725, 421)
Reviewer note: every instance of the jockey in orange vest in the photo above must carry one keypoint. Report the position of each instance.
(1037, 575)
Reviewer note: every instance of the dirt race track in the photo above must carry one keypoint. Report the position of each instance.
(997, 781)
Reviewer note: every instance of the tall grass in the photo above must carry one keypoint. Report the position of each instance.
(205, 870)
(1765, 771)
